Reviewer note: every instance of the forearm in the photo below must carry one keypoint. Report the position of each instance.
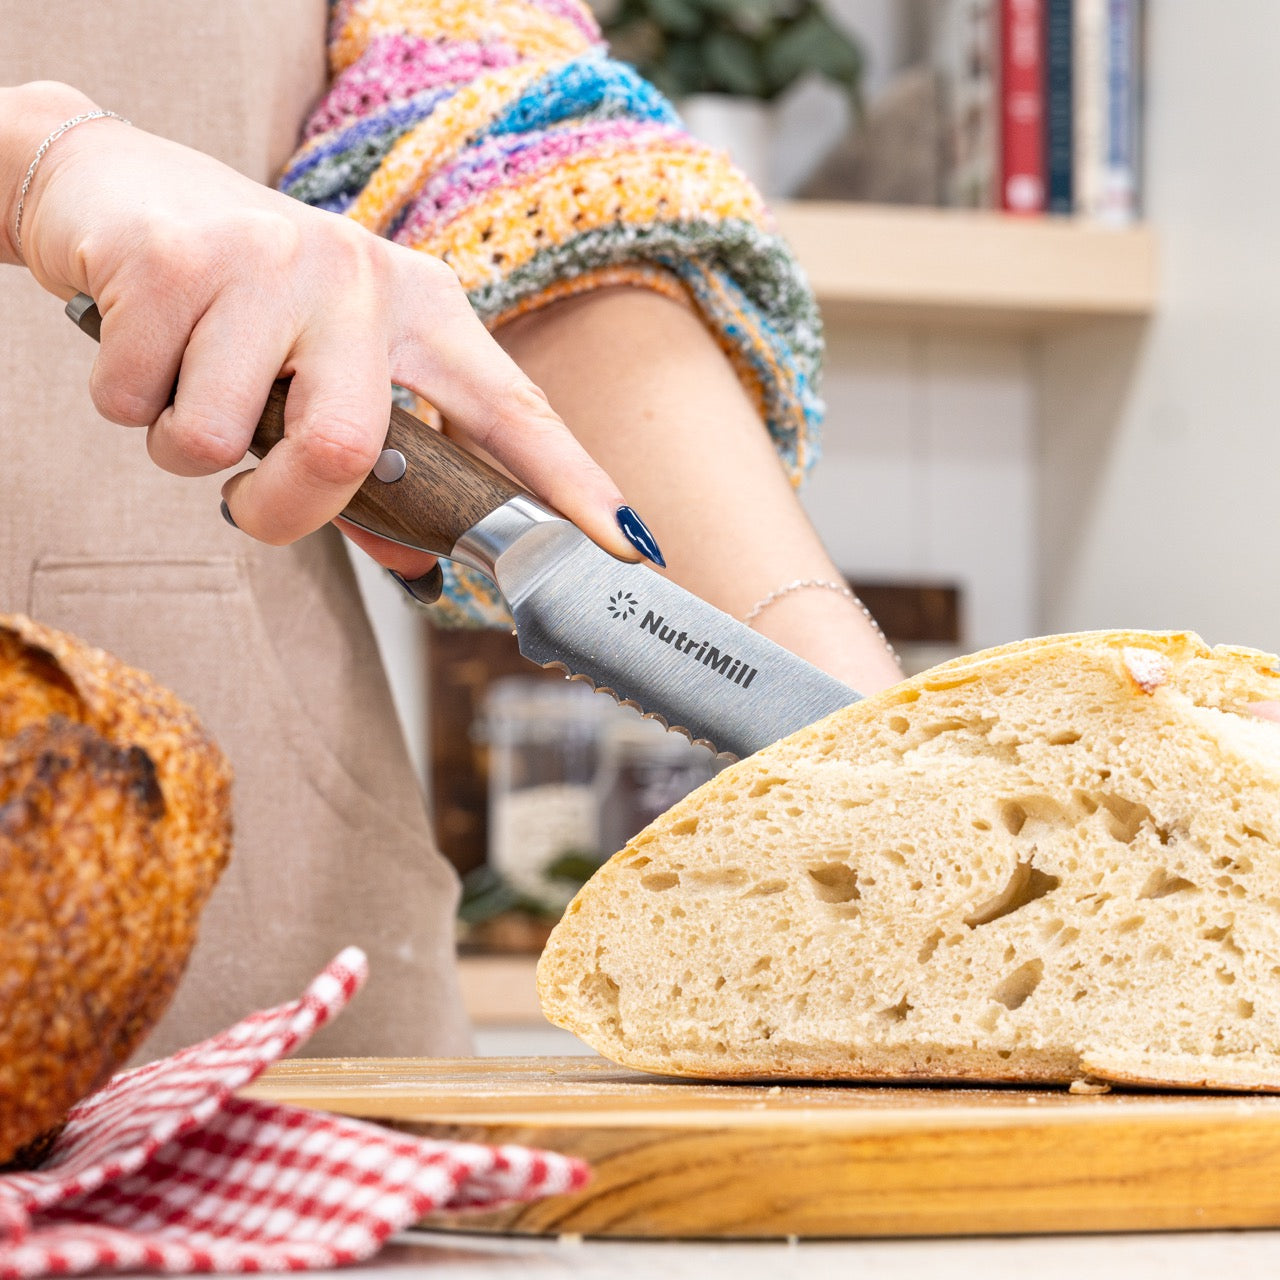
(644, 386)
(29, 113)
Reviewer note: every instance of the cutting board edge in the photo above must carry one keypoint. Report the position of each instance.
(905, 1163)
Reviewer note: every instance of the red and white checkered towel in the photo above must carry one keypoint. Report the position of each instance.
(165, 1170)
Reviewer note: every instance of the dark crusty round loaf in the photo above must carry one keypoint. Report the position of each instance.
(114, 825)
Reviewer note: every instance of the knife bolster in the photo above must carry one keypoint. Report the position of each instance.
(482, 544)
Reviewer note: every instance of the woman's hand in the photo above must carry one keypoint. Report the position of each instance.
(208, 279)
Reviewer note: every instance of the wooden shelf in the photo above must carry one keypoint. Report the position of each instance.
(874, 263)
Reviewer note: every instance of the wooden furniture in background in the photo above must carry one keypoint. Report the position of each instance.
(912, 613)
(961, 269)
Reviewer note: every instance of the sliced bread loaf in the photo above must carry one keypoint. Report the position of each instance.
(1052, 860)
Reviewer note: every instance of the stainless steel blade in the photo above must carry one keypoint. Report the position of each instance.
(655, 646)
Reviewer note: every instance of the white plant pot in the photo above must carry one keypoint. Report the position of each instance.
(744, 127)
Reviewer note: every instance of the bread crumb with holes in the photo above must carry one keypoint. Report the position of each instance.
(1022, 865)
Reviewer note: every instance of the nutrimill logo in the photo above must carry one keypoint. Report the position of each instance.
(623, 606)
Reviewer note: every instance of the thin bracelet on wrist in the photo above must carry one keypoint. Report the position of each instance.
(819, 584)
(64, 127)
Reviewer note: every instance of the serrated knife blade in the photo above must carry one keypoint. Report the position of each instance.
(622, 627)
(643, 639)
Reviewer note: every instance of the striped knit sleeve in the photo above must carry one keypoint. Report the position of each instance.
(499, 136)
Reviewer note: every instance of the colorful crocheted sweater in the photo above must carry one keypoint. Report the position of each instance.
(499, 136)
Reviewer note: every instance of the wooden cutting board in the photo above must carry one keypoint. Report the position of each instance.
(683, 1159)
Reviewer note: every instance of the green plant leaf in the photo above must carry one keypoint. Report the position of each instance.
(812, 43)
(755, 48)
(574, 865)
(733, 65)
(486, 895)
(753, 17)
(686, 68)
(677, 17)
(660, 76)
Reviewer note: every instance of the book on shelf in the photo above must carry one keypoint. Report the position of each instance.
(1043, 103)
(1059, 109)
(1120, 154)
(1022, 105)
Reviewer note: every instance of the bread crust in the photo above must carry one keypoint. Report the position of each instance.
(114, 825)
(647, 1003)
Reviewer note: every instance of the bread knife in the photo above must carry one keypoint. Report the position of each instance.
(621, 627)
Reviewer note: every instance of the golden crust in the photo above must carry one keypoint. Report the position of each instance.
(1256, 1074)
(114, 825)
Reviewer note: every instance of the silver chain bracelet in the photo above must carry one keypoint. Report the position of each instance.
(822, 584)
(40, 151)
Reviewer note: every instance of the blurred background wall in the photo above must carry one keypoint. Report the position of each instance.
(1154, 486)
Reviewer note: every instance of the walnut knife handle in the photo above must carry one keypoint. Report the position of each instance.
(442, 492)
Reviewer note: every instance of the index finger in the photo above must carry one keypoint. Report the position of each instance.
(444, 353)
(335, 421)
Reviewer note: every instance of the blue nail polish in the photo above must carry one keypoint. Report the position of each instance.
(227, 516)
(637, 533)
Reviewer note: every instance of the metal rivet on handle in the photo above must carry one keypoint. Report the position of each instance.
(390, 466)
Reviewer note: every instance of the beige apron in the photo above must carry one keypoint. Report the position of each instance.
(270, 645)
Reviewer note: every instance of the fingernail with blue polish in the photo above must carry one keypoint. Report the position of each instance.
(637, 533)
(227, 516)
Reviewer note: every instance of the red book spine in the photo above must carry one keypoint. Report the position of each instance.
(1022, 174)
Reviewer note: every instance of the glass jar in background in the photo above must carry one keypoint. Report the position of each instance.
(644, 771)
(545, 748)
(572, 777)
